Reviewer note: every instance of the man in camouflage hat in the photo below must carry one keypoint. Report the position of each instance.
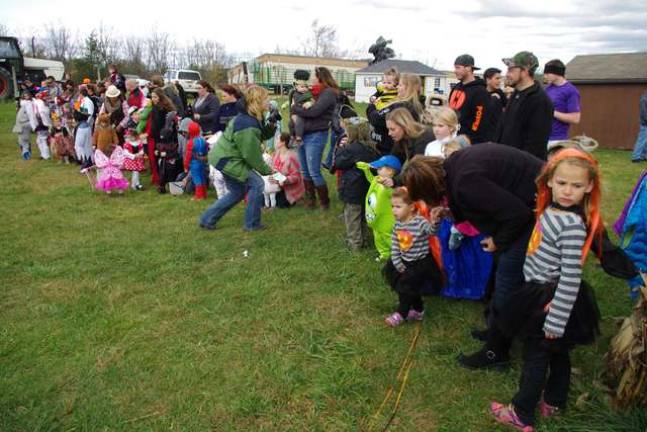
(527, 121)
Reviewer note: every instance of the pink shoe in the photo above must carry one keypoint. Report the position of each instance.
(414, 315)
(394, 320)
(547, 410)
(505, 414)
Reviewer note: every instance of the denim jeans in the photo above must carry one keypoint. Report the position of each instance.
(640, 149)
(236, 193)
(509, 270)
(310, 153)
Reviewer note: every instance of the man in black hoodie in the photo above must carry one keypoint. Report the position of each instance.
(470, 99)
(528, 117)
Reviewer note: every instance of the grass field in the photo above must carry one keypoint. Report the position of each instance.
(119, 314)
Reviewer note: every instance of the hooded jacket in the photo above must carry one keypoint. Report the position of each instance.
(353, 184)
(527, 121)
(472, 103)
(238, 151)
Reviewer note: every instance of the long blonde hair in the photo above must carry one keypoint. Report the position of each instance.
(412, 88)
(256, 99)
(403, 118)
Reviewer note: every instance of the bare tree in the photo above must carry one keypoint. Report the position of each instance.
(159, 50)
(133, 55)
(107, 44)
(322, 41)
(4, 30)
(60, 43)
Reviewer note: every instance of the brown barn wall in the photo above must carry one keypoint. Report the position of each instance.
(610, 113)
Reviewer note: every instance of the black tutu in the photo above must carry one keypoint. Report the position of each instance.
(417, 275)
(523, 315)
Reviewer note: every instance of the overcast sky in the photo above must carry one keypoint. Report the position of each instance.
(421, 30)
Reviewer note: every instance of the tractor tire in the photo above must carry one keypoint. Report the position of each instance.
(6, 85)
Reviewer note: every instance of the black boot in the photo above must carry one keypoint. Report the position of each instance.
(479, 335)
(484, 359)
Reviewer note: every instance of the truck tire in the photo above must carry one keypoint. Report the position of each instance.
(6, 84)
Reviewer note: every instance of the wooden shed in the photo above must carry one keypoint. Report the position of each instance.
(610, 86)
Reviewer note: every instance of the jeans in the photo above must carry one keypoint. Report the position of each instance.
(539, 361)
(310, 153)
(640, 148)
(509, 270)
(253, 186)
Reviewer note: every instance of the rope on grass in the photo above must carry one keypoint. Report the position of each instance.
(402, 377)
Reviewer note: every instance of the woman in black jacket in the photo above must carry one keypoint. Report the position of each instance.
(492, 186)
(317, 120)
(164, 134)
(409, 96)
(205, 108)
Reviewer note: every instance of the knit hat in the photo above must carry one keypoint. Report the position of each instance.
(524, 59)
(580, 142)
(301, 77)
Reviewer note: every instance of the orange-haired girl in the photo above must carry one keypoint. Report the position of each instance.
(555, 309)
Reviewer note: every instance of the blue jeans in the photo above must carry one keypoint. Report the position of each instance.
(509, 270)
(640, 149)
(253, 187)
(310, 153)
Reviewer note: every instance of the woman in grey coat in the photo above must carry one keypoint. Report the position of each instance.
(205, 108)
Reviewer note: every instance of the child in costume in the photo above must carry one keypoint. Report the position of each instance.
(105, 137)
(379, 216)
(301, 95)
(134, 157)
(554, 309)
(387, 90)
(353, 185)
(43, 122)
(60, 140)
(24, 122)
(195, 161)
(271, 183)
(411, 263)
(290, 180)
(109, 176)
(215, 176)
(445, 126)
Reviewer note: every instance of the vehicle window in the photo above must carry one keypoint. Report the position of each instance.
(189, 76)
(8, 50)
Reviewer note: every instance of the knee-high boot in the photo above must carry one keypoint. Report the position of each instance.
(322, 193)
(309, 196)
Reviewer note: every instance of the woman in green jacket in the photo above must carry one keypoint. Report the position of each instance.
(239, 156)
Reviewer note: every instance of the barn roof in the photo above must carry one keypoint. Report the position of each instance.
(608, 68)
(403, 66)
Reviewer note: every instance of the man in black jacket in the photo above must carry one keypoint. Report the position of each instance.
(498, 99)
(470, 100)
(528, 117)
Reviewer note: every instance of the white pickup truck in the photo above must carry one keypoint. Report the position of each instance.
(188, 79)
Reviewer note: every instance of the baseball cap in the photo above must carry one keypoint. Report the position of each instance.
(387, 161)
(524, 59)
(465, 60)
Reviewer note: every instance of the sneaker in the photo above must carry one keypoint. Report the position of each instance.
(139, 187)
(394, 320)
(414, 315)
(547, 410)
(207, 227)
(256, 228)
(479, 335)
(484, 359)
(505, 414)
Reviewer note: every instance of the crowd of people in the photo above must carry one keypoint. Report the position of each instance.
(483, 198)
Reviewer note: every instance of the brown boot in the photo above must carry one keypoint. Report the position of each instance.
(309, 196)
(322, 192)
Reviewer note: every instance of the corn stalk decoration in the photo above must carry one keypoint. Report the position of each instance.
(627, 357)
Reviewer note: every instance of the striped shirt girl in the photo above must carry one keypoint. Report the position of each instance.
(410, 241)
(555, 256)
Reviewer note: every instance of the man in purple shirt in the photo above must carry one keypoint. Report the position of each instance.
(565, 97)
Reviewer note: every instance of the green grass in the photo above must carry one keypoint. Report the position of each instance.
(119, 314)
